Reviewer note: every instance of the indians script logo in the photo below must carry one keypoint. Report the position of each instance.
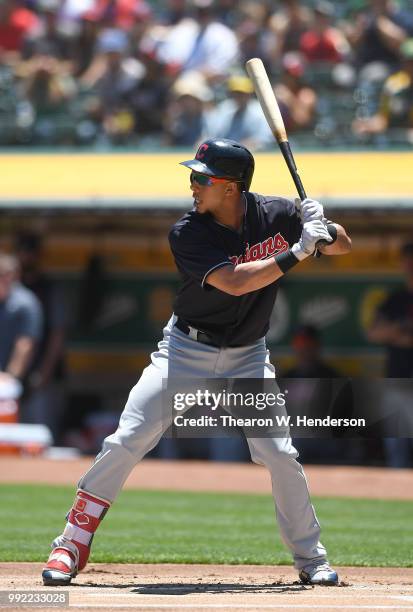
(200, 154)
(268, 247)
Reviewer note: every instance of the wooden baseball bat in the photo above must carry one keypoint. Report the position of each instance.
(265, 94)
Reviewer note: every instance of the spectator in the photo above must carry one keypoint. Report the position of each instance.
(112, 77)
(71, 15)
(200, 43)
(396, 100)
(288, 25)
(85, 44)
(323, 42)
(393, 324)
(316, 396)
(148, 99)
(297, 101)
(43, 402)
(240, 117)
(120, 14)
(48, 87)
(174, 12)
(254, 34)
(20, 321)
(47, 39)
(73, 10)
(377, 33)
(16, 22)
(186, 121)
(393, 327)
(307, 352)
(99, 71)
(250, 42)
(227, 12)
(143, 23)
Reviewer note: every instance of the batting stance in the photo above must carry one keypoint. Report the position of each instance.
(230, 250)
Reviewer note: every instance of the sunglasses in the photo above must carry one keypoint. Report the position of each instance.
(204, 180)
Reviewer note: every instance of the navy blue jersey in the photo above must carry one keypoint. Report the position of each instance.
(200, 245)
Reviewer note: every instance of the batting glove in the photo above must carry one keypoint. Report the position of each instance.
(312, 232)
(310, 210)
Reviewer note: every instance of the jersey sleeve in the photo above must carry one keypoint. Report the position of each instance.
(195, 254)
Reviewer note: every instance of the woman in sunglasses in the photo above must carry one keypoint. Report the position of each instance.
(230, 250)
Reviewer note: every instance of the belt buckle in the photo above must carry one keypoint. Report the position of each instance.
(193, 333)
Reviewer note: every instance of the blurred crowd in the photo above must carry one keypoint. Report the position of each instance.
(149, 73)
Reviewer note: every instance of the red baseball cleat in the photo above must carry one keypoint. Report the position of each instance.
(71, 549)
(61, 566)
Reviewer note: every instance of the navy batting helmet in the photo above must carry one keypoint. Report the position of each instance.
(223, 158)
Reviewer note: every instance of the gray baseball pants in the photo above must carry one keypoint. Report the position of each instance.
(142, 424)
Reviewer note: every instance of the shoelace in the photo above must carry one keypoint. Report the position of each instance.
(318, 567)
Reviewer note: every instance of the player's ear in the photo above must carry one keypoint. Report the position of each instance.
(231, 188)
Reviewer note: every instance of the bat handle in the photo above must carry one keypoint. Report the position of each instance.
(289, 160)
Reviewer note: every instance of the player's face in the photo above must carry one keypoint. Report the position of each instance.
(208, 192)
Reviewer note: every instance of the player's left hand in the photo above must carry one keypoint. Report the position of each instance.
(310, 210)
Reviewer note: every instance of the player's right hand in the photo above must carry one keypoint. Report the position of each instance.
(312, 232)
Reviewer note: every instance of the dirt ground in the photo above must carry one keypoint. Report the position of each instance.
(208, 587)
(372, 483)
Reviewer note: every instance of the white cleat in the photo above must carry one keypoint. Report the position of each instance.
(320, 573)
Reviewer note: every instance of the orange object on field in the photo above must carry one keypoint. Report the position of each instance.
(9, 411)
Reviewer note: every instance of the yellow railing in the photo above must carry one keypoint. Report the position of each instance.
(140, 176)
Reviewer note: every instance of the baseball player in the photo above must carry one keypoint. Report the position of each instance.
(230, 250)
